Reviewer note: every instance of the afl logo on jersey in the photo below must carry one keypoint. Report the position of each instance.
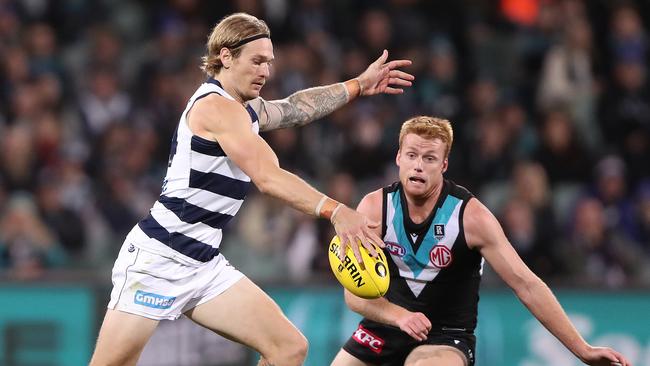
(395, 249)
(440, 256)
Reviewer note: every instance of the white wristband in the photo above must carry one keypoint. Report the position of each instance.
(338, 207)
(320, 205)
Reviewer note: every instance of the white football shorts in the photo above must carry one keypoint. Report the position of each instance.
(163, 284)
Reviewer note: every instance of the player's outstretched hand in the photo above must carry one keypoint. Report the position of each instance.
(354, 228)
(604, 356)
(417, 325)
(384, 77)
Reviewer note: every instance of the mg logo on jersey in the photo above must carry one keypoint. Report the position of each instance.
(395, 249)
(367, 339)
(153, 300)
(440, 256)
(439, 231)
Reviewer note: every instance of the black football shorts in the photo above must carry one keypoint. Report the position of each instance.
(385, 345)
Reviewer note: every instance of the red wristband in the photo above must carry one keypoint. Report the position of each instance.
(326, 207)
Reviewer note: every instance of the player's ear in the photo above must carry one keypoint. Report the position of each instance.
(397, 157)
(226, 57)
(445, 165)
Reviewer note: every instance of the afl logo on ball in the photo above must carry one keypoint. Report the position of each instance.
(440, 256)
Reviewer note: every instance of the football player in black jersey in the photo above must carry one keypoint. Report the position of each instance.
(436, 235)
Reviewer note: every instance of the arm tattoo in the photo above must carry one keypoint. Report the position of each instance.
(303, 107)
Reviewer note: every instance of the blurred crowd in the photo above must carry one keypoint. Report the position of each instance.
(549, 101)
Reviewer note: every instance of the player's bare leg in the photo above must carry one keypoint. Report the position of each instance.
(122, 338)
(430, 355)
(343, 358)
(245, 314)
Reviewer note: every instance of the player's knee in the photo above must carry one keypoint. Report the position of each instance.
(303, 346)
(297, 349)
(291, 351)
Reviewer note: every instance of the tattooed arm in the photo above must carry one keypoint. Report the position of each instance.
(310, 104)
(304, 106)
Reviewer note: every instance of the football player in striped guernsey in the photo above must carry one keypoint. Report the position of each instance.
(170, 263)
(436, 235)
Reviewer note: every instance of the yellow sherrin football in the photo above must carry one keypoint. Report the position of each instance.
(369, 283)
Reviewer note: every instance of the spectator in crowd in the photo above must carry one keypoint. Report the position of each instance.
(611, 189)
(364, 155)
(288, 145)
(643, 215)
(561, 152)
(438, 88)
(568, 79)
(104, 103)
(491, 151)
(518, 128)
(518, 221)
(64, 222)
(531, 196)
(18, 159)
(594, 254)
(27, 245)
(628, 40)
(625, 116)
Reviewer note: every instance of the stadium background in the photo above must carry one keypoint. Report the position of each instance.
(548, 98)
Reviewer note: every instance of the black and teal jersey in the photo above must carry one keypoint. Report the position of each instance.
(432, 269)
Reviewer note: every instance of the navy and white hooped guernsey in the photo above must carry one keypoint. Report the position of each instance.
(202, 191)
(433, 271)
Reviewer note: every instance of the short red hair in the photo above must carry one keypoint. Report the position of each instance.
(428, 128)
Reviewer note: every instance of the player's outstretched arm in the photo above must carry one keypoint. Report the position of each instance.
(227, 122)
(484, 233)
(307, 105)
